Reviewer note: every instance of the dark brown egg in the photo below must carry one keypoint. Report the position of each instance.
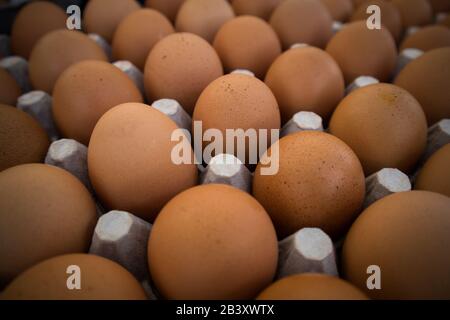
(414, 13)
(258, 8)
(340, 10)
(9, 89)
(428, 38)
(435, 174)
(167, 7)
(440, 5)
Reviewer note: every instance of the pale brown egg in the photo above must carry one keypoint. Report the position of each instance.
(363, 52)
(22, 139)
(9, 89)
(84, 92)
(428, 38)
(414, 13)
(212, 242)
(306, 79)
(167, 7)
(384, 125)
(340, 10)
(100, 279)
(179, 67)
(406, 236)
(302, 21)
(435, 174)
(262, 9)
(137, 34)
(311, 286)
(249, 43)
(55, 52)
(320, 183)
(440, 5)
(428, 78)
(44, 212)
(33, 21)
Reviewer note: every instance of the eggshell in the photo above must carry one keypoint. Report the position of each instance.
(222, 238)
(137, 34)
(101, 279)
(22, 139)
(384, 125)
(414, 12)
(428, 79)
(55, 52)
(311, 286)
(262, 9)
(167, 7)
(406, 235)
(33, 21)
(44, 212)
(435, 174)
(179, 67)
(84, 92)
(302, 21)
(440, 5)
(9, 89)
(446, 22)
(306, 79)
(428, 38)
(340, 10)
(320, 183)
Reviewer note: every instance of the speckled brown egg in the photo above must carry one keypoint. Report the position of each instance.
(247, 43)
(33, 21)
(302, 21)
(340, 10)
(306, 79)
(179, 67)
(9, 89)
(258, 8)
(428, 79)
(84, 92)
(435, 174)
(137, 34)
(311, 286)
(167, 7)
(223, 239)
(103, 16)
(55, 52)
(414, 12)
(320, 183)
(363, 52)
(384, 125)
(44, 212)
(406, 235)
(22, 139)
(428, 38)
(101, 279)
(440, 5)
(129, 160)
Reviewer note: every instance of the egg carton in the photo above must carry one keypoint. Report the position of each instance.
(18, 69)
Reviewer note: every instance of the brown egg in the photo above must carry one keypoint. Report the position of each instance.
(440, 5)
(302, 21)
(212, 242)
(179, 67)
(167, 7)
(262, 9)
(320, 183)
(84, 92)
(311, 286)
(435, 174)
(363, 52)
(428, 38)
(44, 212)
(428, 79)
(33, 21)
(130, 163)
(137, 34)
(406, 235)
(203, 17)
(100, 279)
(340, 10)
(55, 52)
(384, 125)
(9, 89)
(446, 22)
(306, 79)
(22, 139)
(247, 43)
(414, 12)
(103, 16)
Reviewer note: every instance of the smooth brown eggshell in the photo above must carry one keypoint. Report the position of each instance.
(212, 242)
(414, 13)
(340, 10)
(9, 89)
(446, 22)
(435, 174)
(44, 212)
(428, 38)
(320, 183)
(258, 8)
(406, 235)
(440, 5)
(167, 7)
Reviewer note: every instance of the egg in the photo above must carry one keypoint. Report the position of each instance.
(44, 212)
(363, 52)
(33, 21)
(320, 183)
(414, 12)
(406, 236)
(435, 174)
(440, 5)
(427, 78)
(306, 79)
(428, 38)
(258, 8)
(247, 43)
(55, 52)
(340, 10)
(311, 286)
(100, 279)
(384, 125)
(223, 239)
(9, 90)
(103, 16)
(22, 139)
(446, 22)
(302, 21)
(84, 92)
(137, 34)
(167, 7)
(179, 67)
